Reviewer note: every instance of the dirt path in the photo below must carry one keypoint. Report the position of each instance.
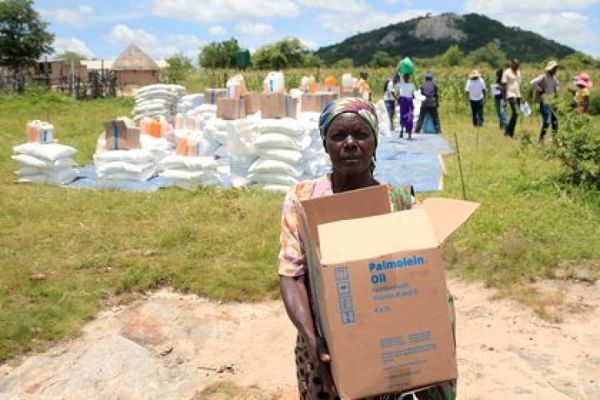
(171, 346)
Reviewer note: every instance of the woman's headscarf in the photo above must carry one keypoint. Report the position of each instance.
(356, 105)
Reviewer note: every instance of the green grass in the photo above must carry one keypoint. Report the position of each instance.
(92, 245)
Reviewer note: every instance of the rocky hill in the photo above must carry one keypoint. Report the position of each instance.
(430, 36)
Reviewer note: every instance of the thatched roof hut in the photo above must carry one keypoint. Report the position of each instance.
(134, 66)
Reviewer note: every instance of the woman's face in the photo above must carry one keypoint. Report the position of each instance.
(350, 144)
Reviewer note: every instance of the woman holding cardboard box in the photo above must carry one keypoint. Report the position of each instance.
(349, 128)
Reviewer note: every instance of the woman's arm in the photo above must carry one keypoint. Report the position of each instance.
(295, 299)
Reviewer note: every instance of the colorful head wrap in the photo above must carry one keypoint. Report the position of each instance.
(356, 105)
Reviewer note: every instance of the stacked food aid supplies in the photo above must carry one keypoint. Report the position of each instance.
(279, 147)
(157, 100)
(42, 160)
(189, 172)
(124, 159)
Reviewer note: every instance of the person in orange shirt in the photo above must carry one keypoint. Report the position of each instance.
(364, 90)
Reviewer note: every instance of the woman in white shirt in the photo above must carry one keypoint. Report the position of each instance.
(497, 90)
(475, 89)
(405, 91)
(389, 97)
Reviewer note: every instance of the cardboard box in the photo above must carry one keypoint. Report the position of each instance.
(121, 135)
(278, 105)
(328, 89)
(379, 291)
(181, 146)
(315, 102)
(350, 92)
(231, 108)
(252, 100)
(212, 95)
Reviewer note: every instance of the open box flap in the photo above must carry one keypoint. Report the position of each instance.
(447, 215)
(359, 203)
(363, 238)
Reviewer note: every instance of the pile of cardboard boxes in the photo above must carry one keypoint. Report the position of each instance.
(236, 102)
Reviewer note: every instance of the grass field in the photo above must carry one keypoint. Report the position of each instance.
(93, 246)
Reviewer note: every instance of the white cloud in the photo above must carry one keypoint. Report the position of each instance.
(211, 11)
(343, 25)
(561, 20)
(154, 45)
(72, 44)
(309, 44)
(250, 29)
(75, 17)
(217, 30)
(337, 5)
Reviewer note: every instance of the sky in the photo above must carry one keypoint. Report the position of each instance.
(103, 28)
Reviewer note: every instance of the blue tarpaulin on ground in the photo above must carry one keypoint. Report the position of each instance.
(399, 162)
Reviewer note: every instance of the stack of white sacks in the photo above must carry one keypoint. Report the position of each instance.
(280, 149)
(189, 172)
(315, 160)
(46, 163)
(156, 100)
(135, 165)
(190, 102)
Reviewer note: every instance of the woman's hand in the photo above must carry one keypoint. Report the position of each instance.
(317, 351)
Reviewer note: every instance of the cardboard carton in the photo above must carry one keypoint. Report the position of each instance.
(235, 87)
(315, 102)
(278, 105)
(379, 291)
(349, 92)
(121, 134)
(212, 95)
(181, 146)
(231, 108)
(252, 100)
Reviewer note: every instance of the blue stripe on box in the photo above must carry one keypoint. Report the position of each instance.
(287, 108)
(271, 85)
(115, 135)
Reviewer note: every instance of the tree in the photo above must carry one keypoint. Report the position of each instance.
(577, 60)
(344, 63)
(453, 56)
(178, 66)
(381, 59)
(219, 54)
(70, 56)
(490, 54)
(23, 36)
(287, 53)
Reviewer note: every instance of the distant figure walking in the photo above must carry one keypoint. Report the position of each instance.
(389, 97)
(581, 93)
(545, 86)
(511, 83)
(430, 104)
(405, 92)
(497, 90)
(475, 90)
(364, 90)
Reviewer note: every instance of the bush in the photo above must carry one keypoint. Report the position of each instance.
(578, 149)
(594, 103)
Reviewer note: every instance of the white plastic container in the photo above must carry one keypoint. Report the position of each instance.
(347, 81)
(274, 83)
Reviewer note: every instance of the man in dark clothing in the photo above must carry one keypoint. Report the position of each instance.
(430, 104)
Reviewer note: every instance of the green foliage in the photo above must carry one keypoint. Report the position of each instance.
(23, 35)
(577, 60)
(178, 67)
(287, 53)
(344, 63)
(577, 146)
(219, 54)
(490, 54)
(452, 57)
(594, 108)
(381, 59)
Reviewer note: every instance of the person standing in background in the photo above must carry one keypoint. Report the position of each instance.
(511, 83)
(544, 86)
(405, 92)
(475, 90)
(364, 90)
(497, 90)
(389, 97)
(430, 104)
(581, 93)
